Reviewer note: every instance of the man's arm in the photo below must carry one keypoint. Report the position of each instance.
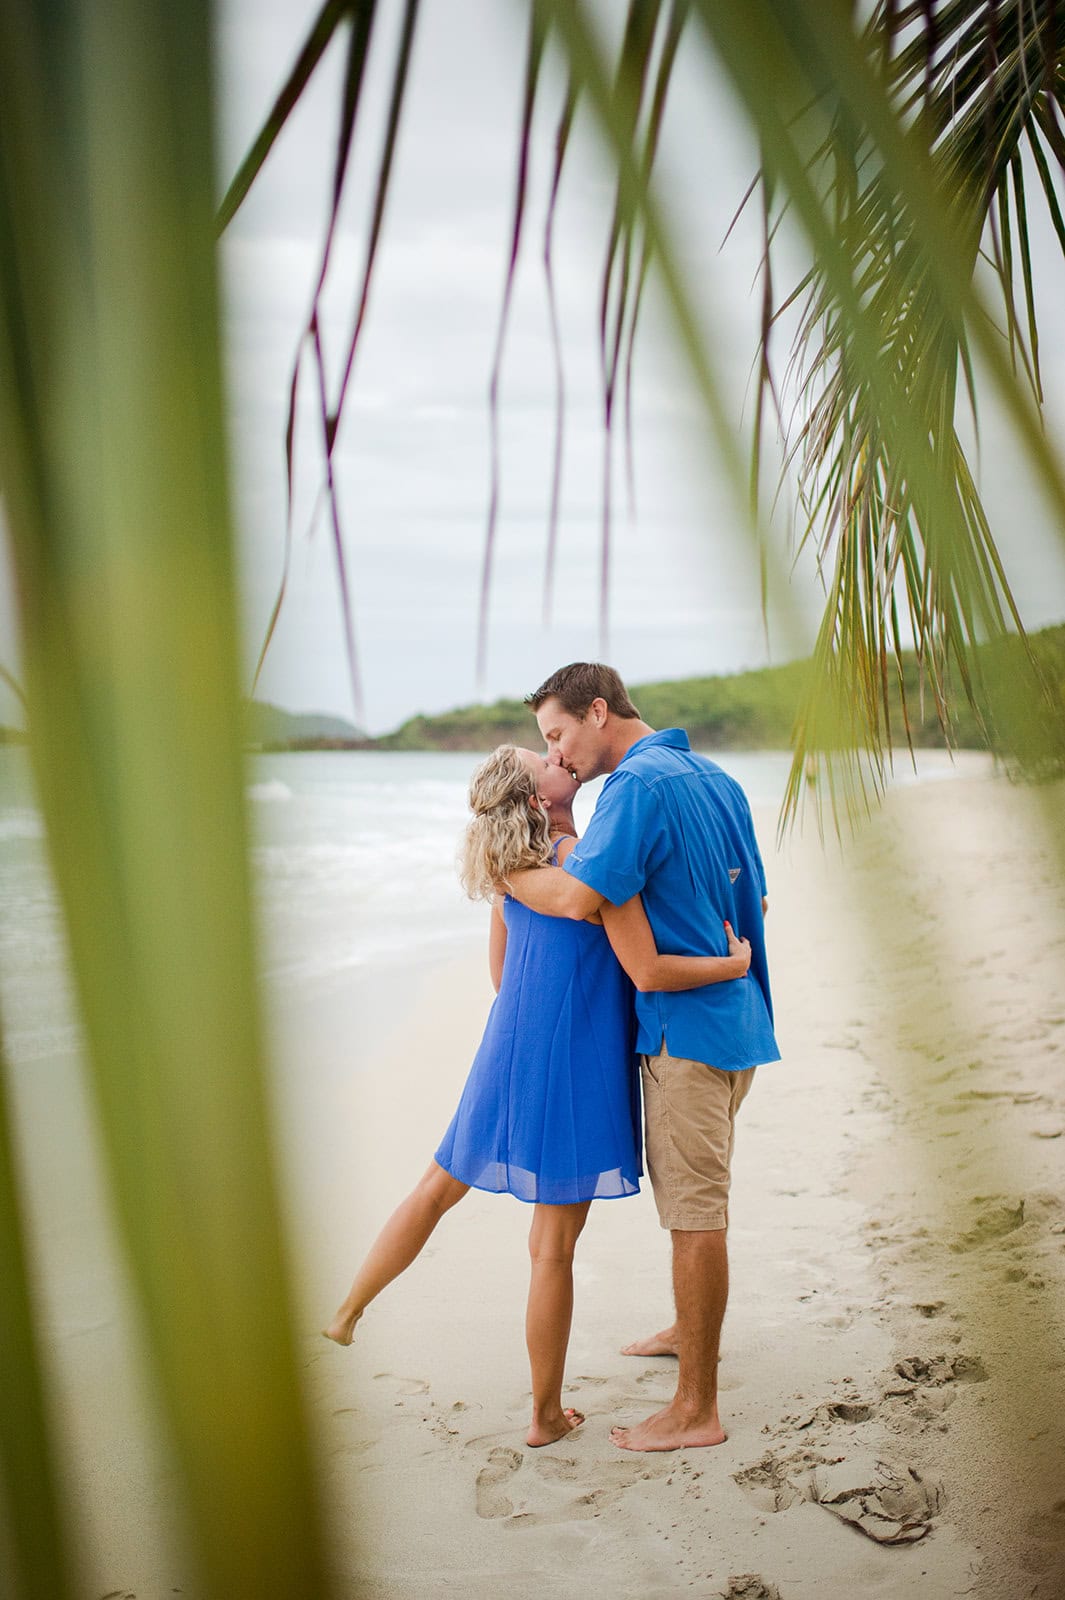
(633, 943)
(554, 893)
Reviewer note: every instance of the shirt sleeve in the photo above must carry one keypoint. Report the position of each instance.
(613, 857)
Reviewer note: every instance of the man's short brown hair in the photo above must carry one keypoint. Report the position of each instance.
(576, 686)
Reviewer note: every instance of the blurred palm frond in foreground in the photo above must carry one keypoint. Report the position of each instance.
(112, 429)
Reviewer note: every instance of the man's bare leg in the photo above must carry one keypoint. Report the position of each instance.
(399, 1243)
(552, 1239)
(700, 1288)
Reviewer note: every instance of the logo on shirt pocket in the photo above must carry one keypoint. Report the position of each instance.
(733, 873)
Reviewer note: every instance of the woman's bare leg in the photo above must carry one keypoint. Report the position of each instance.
(397, 1245)
(552, 1238)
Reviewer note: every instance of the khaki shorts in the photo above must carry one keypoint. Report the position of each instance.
(690, 1117)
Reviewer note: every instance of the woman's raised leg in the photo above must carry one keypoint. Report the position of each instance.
(552, 1238)
(397, 1245)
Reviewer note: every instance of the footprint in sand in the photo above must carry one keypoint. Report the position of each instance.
(993, 1223)
(601, 1487)
(501, 1465)
(401, 1385)
(928, 1389)
(849, 1410)
(619, 1473)
(582, 1509)
(776, 1483)
(892, 1505)
(656, 1375)
(559, 1469)
(749, 1586)
(942, 1369)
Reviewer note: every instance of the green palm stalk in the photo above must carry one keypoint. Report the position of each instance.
(113, 464)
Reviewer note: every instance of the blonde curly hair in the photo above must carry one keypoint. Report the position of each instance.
(506, 832)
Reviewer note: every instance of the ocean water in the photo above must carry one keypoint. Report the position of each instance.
(354, 863)
(355, 853)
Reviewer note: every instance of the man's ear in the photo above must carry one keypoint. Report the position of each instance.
(600, 710)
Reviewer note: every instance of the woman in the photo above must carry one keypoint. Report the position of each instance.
(550, 1109)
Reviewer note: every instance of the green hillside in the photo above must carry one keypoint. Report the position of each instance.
(744, 711)
(740, 711)
(756, 710)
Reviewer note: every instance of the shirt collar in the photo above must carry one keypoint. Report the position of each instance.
(674, 738)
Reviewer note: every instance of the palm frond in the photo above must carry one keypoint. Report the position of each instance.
(361, 17)
(565, 125)
(616, 94)
(534, 57)
(630, 82)
(912, 132)
(329, 19)
(571, 28)
(675, 26)
(112, 463)
(36, 1548)
(330, 410)
(360, 14)
(619, 293)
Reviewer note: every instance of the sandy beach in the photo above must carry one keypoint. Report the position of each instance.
(894, 1362)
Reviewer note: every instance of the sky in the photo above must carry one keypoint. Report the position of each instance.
(413, 462)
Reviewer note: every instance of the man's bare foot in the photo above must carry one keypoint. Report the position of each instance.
(549, 1430)
(671, 1429)
(659, 1344)
(342, 1329)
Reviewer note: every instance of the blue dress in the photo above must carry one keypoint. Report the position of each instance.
(550, 1111)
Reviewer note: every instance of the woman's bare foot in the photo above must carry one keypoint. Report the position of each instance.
(671, 1429)
(659, 1344)
(342, 1329)
(548, 1430)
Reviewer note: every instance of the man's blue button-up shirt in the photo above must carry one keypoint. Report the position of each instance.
(673, 827)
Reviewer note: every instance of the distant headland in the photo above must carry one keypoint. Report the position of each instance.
(739, 711)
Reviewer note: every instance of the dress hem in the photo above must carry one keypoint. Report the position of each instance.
(526, 1200)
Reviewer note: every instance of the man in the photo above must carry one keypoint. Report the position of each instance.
(672, 826)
